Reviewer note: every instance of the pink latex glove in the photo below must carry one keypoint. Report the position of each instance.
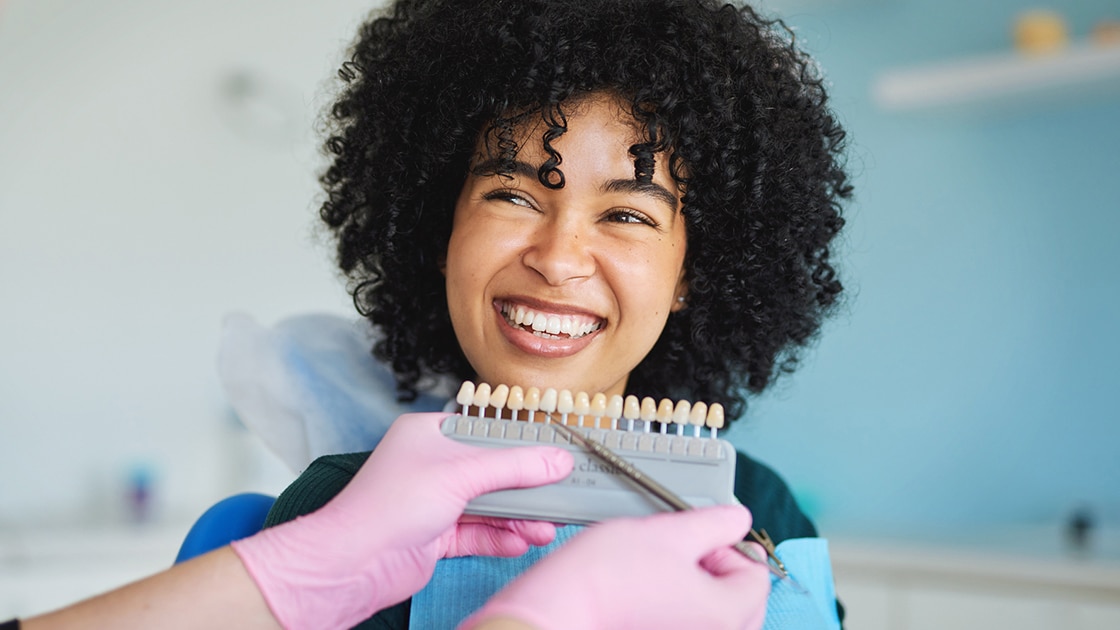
(673, 570)
(377, 542)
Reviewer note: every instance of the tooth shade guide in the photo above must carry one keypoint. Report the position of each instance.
(673, 462)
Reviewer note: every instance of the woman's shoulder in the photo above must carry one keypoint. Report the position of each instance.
(325, 477)
(770, 501)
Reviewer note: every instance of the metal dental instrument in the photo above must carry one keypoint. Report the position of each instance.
(669, 497)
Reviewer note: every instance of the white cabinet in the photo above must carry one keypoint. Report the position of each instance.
(44, 569)
(926, 587)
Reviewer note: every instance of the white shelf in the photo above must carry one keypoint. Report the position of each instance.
(1079, 70)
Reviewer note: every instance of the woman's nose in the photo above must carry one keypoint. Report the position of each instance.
(560, 253)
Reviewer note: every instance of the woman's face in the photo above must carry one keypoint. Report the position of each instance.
(597, 265)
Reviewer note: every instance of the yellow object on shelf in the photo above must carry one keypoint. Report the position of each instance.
(1040, 31)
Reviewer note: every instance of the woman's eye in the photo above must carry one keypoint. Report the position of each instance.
(625, 215)
(508, 196)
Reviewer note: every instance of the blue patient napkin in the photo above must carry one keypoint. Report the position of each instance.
(461, 586)
(810, 601)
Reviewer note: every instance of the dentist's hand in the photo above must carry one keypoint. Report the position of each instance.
(673, 570)
(377, 542)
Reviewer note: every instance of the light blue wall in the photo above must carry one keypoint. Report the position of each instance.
(971, 379)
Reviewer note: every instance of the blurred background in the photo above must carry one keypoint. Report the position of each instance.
(157, 171)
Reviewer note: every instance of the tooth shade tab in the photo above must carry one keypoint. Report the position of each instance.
(715, 416)
(466, 394)
(498, 396)
(532, 399)
(482, 395)
(549, 400)
(665, 411)
(516, 400)
(599, 405)
(680, 412)
(564, 403)
(614, 407)
(582, 405)
(649, 409)
(698, 414)
(631, 408)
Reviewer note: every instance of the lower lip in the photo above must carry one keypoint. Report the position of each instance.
(529, 343)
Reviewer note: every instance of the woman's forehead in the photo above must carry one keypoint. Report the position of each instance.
(596, 125)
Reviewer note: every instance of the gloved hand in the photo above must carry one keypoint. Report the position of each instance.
(376, 543)
(673, 570)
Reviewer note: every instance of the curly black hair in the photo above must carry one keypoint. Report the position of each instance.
(741, 111)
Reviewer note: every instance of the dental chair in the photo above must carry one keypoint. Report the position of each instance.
(306, 386)
(230, 519)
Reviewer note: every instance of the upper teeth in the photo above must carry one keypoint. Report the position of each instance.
(550, 323)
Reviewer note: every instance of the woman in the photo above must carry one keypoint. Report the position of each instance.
(655, 184)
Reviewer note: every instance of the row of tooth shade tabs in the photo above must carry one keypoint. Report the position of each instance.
(581, 407)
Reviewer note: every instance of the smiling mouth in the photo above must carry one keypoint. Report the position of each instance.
(549, 325)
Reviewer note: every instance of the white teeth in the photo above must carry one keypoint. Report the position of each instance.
(549, 326)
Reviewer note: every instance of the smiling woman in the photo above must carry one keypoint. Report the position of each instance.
(618, 197)
(715, 105)
(604, 254)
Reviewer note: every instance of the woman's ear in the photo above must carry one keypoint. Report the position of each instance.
(681, 301)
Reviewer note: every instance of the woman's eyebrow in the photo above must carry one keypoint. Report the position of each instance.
(648, 189)
(494, 166)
